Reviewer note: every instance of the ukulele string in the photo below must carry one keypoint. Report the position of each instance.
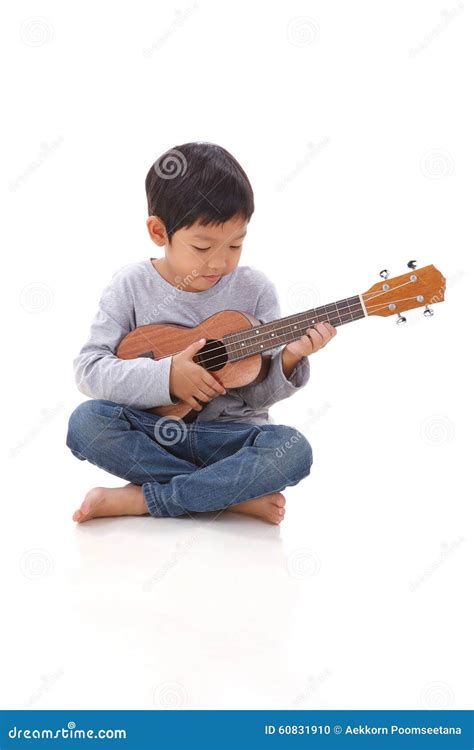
(208, 360)
(380, 305)
(281, 328)
(349, 309)
(386, 291)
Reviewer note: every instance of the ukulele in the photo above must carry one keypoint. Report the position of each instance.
(236, 341)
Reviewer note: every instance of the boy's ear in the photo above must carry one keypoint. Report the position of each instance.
(157, 230)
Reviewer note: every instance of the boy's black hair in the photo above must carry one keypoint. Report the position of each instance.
(197, 181)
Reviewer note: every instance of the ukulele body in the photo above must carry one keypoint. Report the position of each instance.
(158, 340)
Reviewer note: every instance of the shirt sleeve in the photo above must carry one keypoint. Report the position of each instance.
(275, 387)
(142, 382)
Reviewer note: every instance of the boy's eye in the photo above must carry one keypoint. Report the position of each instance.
(203, 249)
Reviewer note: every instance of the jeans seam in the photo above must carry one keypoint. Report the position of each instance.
(193, 445)
(201, 428)
(150, 501)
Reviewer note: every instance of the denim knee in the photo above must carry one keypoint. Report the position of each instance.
(292, 452)
(86, 422)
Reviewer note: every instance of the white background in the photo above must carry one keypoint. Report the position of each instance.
(354, 124)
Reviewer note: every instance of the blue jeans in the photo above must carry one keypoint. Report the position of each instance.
(188, 467)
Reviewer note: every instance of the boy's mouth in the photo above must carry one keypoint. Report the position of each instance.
(211, 278)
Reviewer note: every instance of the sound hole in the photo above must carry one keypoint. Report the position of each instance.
(147, 354)
(213, 355)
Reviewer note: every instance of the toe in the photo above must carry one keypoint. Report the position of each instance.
(276, 517)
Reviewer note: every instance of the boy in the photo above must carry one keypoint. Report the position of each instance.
(231, 457)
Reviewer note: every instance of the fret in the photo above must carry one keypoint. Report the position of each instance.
(267, 336)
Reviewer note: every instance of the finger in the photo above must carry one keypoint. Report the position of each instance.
(316, 339)
(211, 381)
(330, 328)
(315, 336)
(194, 404)
(194, 347)
(204, 393)
(321, 328)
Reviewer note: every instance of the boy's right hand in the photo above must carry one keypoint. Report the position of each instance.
(190, 381)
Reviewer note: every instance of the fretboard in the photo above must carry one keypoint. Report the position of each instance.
(285, 330)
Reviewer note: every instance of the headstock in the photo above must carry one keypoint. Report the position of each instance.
(419, 288)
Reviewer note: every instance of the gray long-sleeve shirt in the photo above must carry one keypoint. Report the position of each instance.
(138, 295)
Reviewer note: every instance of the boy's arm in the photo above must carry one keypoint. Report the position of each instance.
(142, 382)
(275, 386)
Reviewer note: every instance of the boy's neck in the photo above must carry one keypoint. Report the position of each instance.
(159, 265)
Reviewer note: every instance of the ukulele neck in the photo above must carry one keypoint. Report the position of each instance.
(267, 336)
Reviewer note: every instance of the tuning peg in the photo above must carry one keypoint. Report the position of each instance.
(384, 274)
(400, 319)
(412, 263)
(428, 312)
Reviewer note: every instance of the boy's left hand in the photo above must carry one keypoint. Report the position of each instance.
(312, 341)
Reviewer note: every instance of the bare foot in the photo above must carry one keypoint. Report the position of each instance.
(119, 501)
(269, 507)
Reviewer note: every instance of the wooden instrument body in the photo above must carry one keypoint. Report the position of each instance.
(158, 340)
(418, 288)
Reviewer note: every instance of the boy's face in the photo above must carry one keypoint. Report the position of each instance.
(199, 255)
